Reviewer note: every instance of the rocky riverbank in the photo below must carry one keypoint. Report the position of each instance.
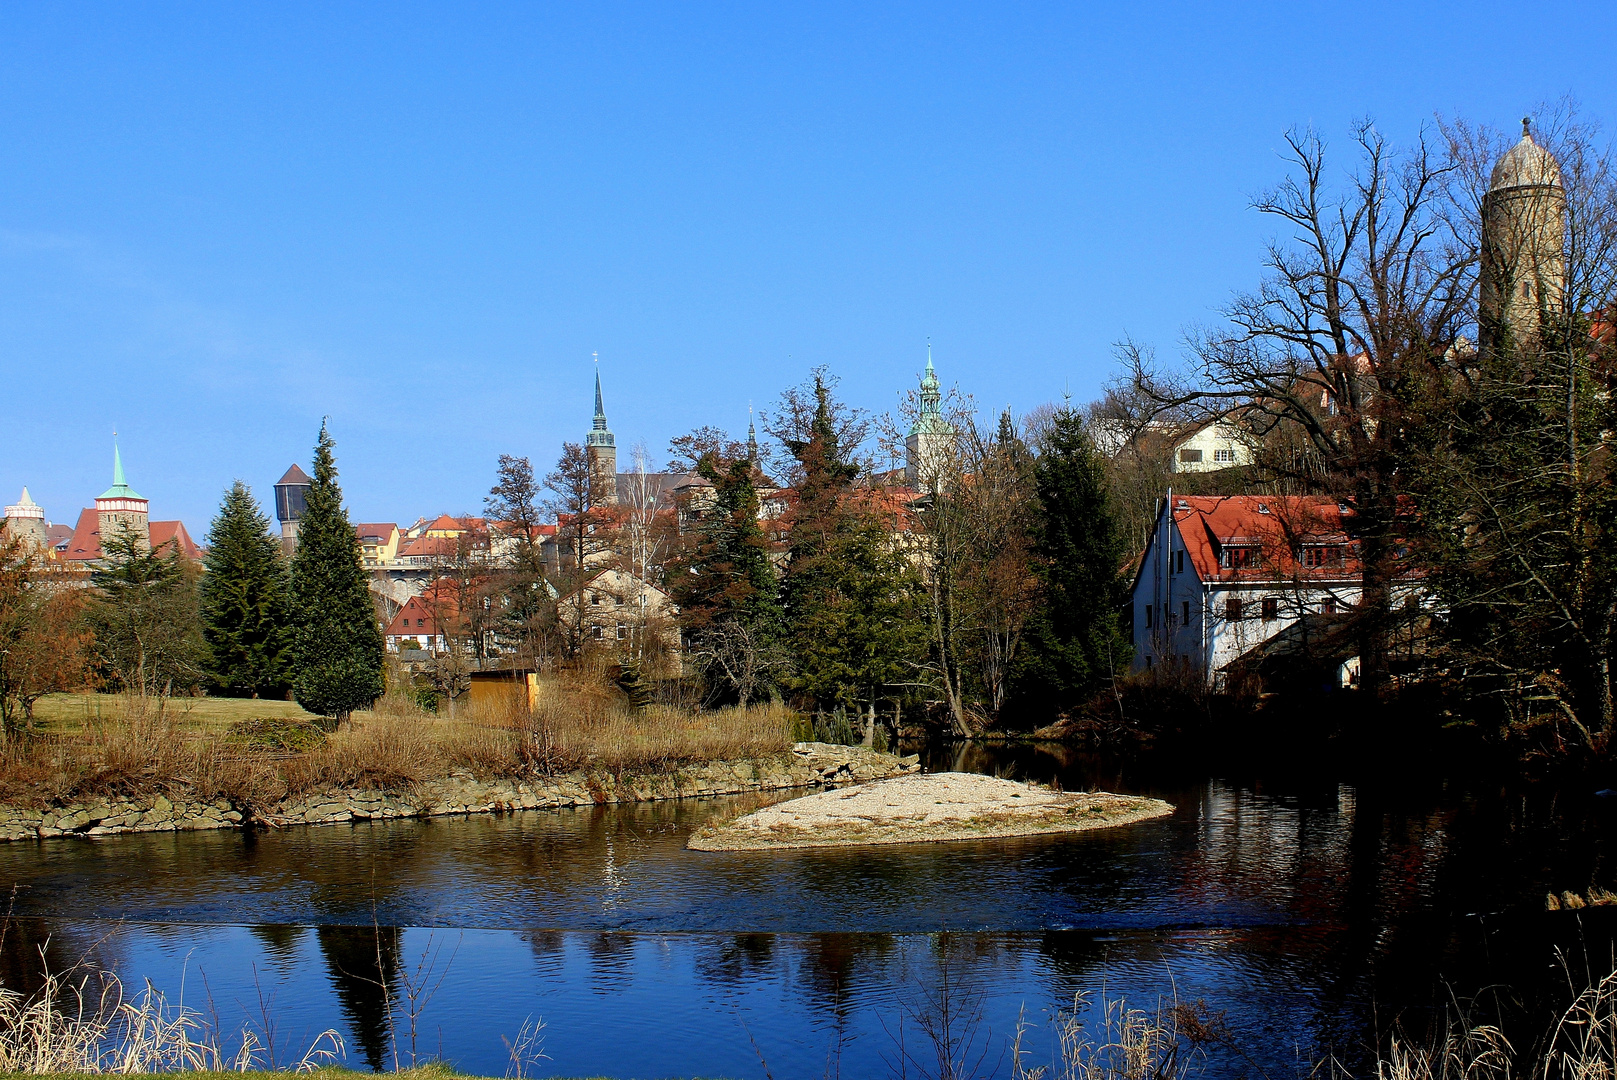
(805, 765)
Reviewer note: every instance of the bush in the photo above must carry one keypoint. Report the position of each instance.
(277, 734)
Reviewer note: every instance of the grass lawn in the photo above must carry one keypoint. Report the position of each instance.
(65, 714)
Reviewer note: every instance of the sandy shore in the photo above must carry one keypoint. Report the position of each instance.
(925, 808)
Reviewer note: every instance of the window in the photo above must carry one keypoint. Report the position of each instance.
(1189, 455)
(1179, 562)
(596, 633)
(1327, 606)
(623, 631)
(1316, 556)
(1148, 616)
(1226, 457)
(1240, 558)
(421, 622)
(1232, 609)
(1271, 608)
(1186, 615)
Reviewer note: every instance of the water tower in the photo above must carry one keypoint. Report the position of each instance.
(291, 497)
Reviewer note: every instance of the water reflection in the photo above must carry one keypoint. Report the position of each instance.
(1309, 908)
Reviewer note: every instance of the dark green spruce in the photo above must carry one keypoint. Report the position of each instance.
(337, 652)
(1075, 643)
(244, 602)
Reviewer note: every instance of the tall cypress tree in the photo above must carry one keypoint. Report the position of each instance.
(337, 645)
(1075, 642)
(244, 601)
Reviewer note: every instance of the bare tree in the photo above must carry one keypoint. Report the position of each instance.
(1362, 312)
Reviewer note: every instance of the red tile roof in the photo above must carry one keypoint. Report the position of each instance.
(1278, 526)
(415, 619)
(173, 532)
(86, 542)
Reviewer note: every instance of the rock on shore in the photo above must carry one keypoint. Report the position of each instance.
(936, 806)
(805, 765)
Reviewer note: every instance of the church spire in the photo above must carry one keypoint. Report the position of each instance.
(602, 449)
(752, 437)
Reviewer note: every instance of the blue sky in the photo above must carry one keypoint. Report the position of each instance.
(221, 222)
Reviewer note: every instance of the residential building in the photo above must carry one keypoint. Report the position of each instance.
(1217, 444)
(378, 542)
(416, 625)
(1224, 575)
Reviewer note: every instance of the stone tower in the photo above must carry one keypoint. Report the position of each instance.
(931, 437)
(26, 522)
(120, 506)
(291, 498)
(1523, 246)
(602, 449)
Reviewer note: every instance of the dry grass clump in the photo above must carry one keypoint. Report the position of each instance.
(126, 746)
(1572, 901)
(90, 1026)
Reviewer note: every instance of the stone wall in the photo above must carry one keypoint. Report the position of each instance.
(806, 765)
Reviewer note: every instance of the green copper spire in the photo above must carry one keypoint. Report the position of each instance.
(119, 489)
(599, 434)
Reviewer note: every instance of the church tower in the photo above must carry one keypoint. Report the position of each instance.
(120, 506)
(602, 449)
(1523, 246)
(931, 437)
(25, 521)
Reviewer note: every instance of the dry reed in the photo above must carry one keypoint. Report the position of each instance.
(133, 747)
(90, 1026)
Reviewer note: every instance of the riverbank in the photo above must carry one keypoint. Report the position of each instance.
(461, 792)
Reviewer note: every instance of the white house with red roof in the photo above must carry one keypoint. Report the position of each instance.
(1224, 575)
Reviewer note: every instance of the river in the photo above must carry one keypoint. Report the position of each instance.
(1310, 911)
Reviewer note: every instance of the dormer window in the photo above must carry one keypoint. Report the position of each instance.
(1240, 558)
(1319, 556)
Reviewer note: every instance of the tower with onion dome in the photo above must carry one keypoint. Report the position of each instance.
(25, 521)
(602, 450)
(931, 438)
(121, 507)
(1523, 246)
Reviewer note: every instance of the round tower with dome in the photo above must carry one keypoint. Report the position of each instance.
(1523, 246)
(931, 437)
(25, 521)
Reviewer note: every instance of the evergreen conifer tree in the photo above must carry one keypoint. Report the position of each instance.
(851, 598)
(337, 646)
(244, 601)
(1075, 641)
(726, 587)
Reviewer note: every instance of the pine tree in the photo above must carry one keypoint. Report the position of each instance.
(337, 646)
(851, 597)
(244, 601)
(726, 588)
(146, 621)
(1075, 641)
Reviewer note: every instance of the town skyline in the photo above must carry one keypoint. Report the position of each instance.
(424, 227)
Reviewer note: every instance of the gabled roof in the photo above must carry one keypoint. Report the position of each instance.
(85, 544)
(381, 530)
(294, 475)
(174, 533)
(1279, 526)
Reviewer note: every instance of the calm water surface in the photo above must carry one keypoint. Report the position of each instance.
(1309, 912)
